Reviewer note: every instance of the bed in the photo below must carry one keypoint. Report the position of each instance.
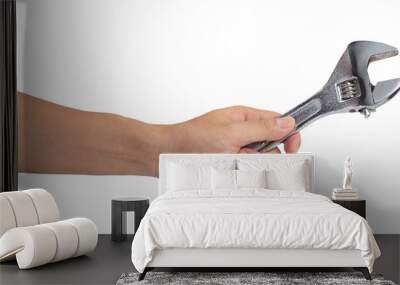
(247, 211)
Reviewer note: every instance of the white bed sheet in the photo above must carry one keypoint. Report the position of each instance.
(251, 218)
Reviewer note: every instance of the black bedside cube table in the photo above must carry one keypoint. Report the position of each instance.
(119, 207)
(357, 206)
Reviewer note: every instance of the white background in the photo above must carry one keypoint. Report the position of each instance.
(167, 61)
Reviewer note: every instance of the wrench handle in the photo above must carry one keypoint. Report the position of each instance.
(303, 114)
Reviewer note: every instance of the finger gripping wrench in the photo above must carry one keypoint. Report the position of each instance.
(348, 90)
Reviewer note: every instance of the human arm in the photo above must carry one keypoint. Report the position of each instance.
(58, 139)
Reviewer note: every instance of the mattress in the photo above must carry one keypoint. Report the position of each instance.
(250, 218)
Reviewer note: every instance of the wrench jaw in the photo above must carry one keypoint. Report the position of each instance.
(383, 91)
(354, 89)
(365, 52)
(361, 54)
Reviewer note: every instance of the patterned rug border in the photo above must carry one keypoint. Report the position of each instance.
(268, 278)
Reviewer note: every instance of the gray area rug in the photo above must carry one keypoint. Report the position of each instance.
(269, 278)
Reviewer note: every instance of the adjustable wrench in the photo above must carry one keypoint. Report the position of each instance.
(348, 89)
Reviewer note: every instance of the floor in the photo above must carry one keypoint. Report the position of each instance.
(110, 260)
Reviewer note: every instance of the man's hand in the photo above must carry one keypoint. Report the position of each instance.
(56, 139)
(229, 130)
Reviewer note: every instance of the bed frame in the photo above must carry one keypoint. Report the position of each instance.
(249, 259)
(234, 259)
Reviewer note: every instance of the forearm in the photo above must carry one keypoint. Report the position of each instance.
(57, 139)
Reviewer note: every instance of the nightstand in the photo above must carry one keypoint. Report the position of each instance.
(357, 206)
(119, 207)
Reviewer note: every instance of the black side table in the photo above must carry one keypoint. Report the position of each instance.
(119, 207)
(357, 206)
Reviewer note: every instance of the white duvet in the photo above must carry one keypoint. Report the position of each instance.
(250, 219)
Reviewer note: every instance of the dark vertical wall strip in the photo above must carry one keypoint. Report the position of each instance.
(8, 88)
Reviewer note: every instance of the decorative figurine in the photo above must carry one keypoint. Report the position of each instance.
(348, 173)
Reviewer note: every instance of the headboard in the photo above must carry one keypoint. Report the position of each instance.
(212, 158)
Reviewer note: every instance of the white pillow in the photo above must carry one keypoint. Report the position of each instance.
(251, 178)
(187, 177)
(282, 174)
(293, 179)
(223, 179)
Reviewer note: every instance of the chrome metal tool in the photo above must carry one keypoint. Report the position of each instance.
(348, 89)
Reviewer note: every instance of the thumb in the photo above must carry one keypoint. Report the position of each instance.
(266, 129)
